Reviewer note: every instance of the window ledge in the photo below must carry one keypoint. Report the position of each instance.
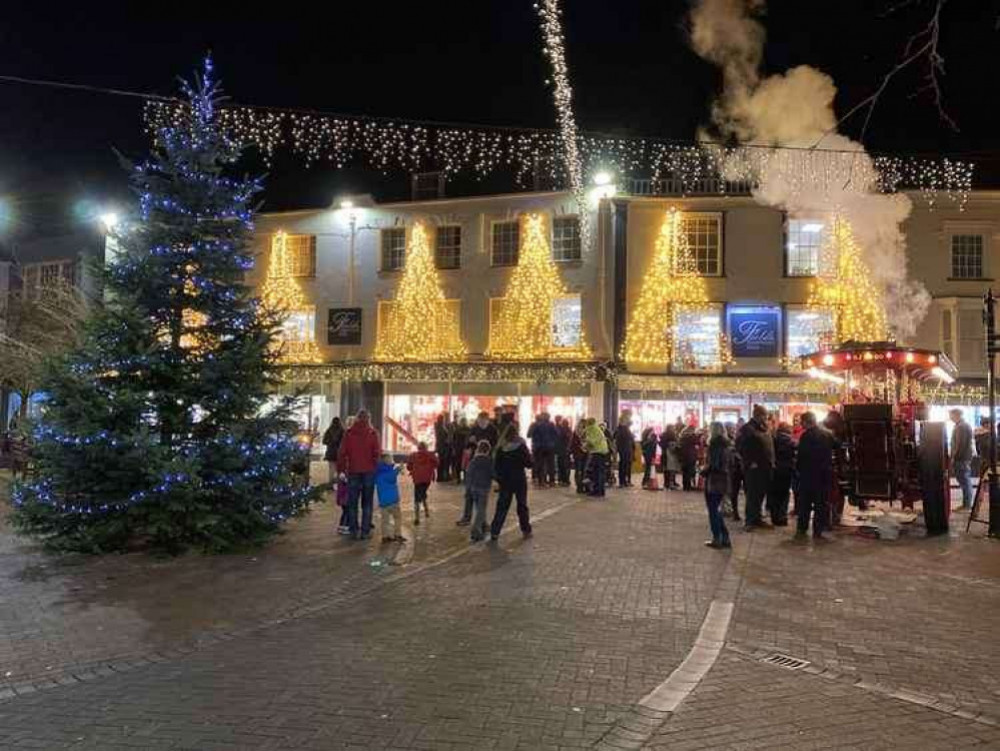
(970, 279)
(571, 263)
(389, 272)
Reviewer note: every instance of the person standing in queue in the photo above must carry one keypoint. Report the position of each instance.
(814, 466)
(595, 443)
(460, 433)
(648, 445)
(564, 437)
(511, 460)
(669, 460)
(716, 475)
(625, 448)
(357, 458)
(442, 446)
(756, 447)
(780, 491)
(689, 456)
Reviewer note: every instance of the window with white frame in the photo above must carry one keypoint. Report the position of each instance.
(566, 244)
(697, 335)
(567, 322)
(300, 250)
(37, 276)
(967, 256)
(448, 247)
(809, 330)
(703, 233)
(803, 247)
(393, 248)
(505, 243)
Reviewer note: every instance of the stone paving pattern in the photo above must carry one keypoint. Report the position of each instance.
(314, 643)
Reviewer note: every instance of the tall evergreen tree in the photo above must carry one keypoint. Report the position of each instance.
(158, 430)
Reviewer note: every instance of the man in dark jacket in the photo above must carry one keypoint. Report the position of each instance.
(543, 437)
(512, 458)
(625, 448)
(689, 456)
(756, 448)
(814, 465)
(781, 483)
(442, 446)
(564, 437)
(460, 433)
(483, 429)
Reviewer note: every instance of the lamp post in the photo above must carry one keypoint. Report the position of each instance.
(989, 319)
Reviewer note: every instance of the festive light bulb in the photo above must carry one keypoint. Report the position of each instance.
(419, 324)
(524, 327)
(858, 304)
(282, 294)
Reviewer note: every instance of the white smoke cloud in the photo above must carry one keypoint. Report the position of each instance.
(795, 108)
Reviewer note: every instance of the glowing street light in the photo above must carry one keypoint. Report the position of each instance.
(109, 219)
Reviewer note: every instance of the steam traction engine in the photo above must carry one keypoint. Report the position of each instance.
(891, 451)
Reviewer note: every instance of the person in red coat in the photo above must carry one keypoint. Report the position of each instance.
(421, 465)
(357, 458)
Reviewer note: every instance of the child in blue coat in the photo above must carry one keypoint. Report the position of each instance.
(387, 487)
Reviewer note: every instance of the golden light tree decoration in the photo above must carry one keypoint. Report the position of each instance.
(419, 325)
(848, 289)
(524, 327)
(671, 285)
(282, 294)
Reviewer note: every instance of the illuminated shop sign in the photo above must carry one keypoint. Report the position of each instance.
(753, 330)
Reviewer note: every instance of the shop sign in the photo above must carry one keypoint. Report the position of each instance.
(753, 331)
(344, 326)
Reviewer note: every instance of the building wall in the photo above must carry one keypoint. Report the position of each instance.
(474, 283)
(954, 320)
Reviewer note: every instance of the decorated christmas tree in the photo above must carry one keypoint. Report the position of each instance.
(524, 327)
(671, 285)
(846, 287)
(158, 429)
(419, 324)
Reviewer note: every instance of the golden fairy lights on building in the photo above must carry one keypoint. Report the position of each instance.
(419, 324)
(672, 292)
(529, 324)
(848, 289)
(281, 293)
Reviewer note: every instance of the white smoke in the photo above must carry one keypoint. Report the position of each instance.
(795, 109)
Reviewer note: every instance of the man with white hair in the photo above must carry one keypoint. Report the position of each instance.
(358, 458)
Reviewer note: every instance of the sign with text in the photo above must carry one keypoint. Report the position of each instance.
(753, 330)
(344, 327)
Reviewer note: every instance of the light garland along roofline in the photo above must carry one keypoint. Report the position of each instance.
(724, 383)
(484, 371)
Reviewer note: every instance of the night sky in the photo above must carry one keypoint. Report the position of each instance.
(632, 71)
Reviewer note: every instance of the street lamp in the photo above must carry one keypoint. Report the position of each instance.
(110, 220)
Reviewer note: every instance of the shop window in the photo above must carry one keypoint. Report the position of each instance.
(704, 239)
(967, 256)
(505, 243)
(566, 238)
(448, 247)
(803, 247)
(301, 254)
(698, 338)
(809, 330)
(393, 249)
(567, 324)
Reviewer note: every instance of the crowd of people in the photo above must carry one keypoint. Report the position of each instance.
(763, 458)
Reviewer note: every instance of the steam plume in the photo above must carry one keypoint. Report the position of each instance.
(795, 108)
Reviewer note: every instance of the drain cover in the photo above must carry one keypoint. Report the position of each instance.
(786, 662)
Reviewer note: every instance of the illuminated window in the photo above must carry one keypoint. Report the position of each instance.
(967, 256)
(704, 239)
(301, 253)
(809, 331)
(299, 326)
(567, 324)
(505, 243)
(698, 338)
(393, 249)
(566, 238)
(445, 338)
(448, 247)
(804, 245)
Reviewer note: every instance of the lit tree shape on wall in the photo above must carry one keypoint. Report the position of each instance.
(528, 323)
(670, 286)
(283, 295)
(848, 289)
(419, 324)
